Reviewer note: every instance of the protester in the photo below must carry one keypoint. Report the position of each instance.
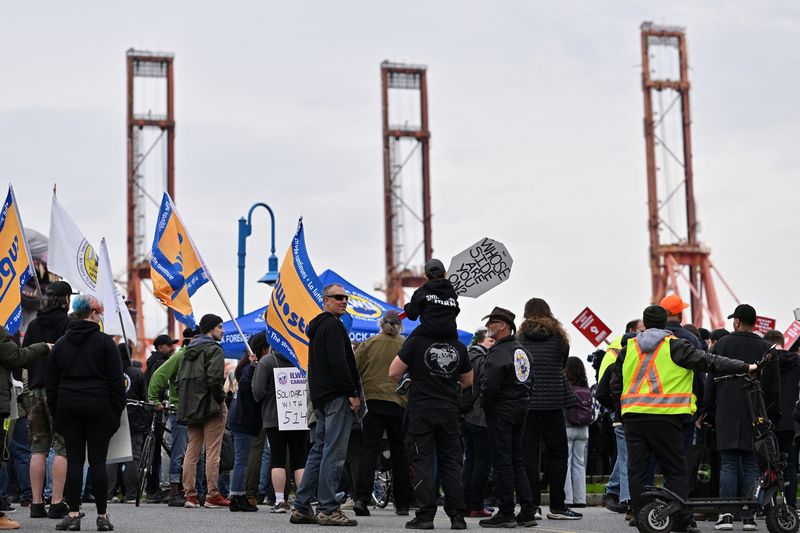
(435, 303)
(731, 418)
(48, 326)
(437, 368)
(11, 357)
(201, 407)
(652, 388)
(578, 419)
(164, 347)
(243, 421)
(715, 336)
(385, 412)
(86, 394)
(789, 367)
(506, 388)
(477, 459)
(137, 423)
(547, 342)
(335, 393)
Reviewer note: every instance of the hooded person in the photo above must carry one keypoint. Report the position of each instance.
(435, 303)
(652, 389)
(201, 407)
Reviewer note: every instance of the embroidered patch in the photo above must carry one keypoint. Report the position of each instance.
(522, 365)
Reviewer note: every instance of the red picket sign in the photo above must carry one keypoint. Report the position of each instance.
(791, 335)
(591, 326)
(764, 324)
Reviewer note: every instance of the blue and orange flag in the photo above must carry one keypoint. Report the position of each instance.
(176, 268)
(15, 264)
(296, 299)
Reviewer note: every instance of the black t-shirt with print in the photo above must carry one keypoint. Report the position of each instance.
(435, 366)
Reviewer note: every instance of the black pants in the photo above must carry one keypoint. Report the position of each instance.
(787, 444)
(547, 427)
(506, 429)
(664, 440)
(86, 425)
(477, 464)
(374, 426)
(429, 432)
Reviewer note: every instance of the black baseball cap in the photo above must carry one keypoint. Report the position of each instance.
(434, 269)
(58, 288)
(164, 339)
(745, 313)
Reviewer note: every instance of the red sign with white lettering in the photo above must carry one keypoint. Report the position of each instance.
(764, 324)
(591, 326)
(791, 335)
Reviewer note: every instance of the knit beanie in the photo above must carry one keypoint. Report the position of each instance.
(209, 322)
(654, 316)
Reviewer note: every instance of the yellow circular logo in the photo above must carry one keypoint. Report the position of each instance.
(87, 263)
(360, 307)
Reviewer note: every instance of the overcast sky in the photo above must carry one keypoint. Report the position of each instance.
(536, 121)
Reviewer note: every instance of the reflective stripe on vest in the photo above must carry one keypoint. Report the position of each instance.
(654, 384)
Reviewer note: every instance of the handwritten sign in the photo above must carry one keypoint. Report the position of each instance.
(591, 327)
(764, 324)
(290, 396)
(791, 335)
(479, 268)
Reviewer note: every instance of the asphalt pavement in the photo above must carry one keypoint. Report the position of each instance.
(154, 518)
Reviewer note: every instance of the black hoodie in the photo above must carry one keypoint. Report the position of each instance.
(48, 326)
(85, 366)
(789, 365)
(332, 370)
(436, 306)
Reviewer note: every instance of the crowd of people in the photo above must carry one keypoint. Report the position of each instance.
(499, 422)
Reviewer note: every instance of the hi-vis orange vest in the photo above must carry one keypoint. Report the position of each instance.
(653, 384)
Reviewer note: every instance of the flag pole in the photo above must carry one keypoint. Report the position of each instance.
(27, 247)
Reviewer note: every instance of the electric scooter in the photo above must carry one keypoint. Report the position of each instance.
(766, 496)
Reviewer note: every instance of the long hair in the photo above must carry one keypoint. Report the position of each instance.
(391, 327)
(54, 302)
(537, 310)
(576, 372)
(258, 344)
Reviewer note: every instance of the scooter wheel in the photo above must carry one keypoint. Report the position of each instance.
(782, 519)
(652, 519)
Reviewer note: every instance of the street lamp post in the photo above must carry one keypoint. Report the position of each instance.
(245, 229)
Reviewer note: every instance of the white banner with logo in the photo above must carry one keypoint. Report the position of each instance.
(290, 397)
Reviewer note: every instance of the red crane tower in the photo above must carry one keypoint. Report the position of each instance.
(405, 138)
(663, 76)
(147, 73)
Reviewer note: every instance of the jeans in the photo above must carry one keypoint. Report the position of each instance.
(241, 451)
(618, 482)
(575, 487)
(737, 474)
(477, 464)
(506, 427)
(550, 428)
(326, 459)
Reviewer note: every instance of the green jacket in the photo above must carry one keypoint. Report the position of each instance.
(11, 357)
(166, 374)
(200, 380)
(373, 358)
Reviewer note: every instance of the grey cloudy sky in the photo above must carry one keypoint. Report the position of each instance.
(536, 120)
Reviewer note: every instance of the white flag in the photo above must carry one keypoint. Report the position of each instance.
(111, 298)
(70, 255)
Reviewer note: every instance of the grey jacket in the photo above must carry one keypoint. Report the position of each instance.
(264, 387)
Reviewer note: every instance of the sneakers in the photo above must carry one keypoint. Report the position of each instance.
(160, 496)
(240, 504)
(104, 524)
(360, 508)
(5, 505)
(401, 511)
(7, 523)
(416, 523)
(214, 502)
(280, 508)
(566, 514)
(57, 510)
(335, 518)
(538, 513)
(607, 498)
(191, 502)
(526, 519)
(299, 517)
(348, 504)
(69, 523)
(457, 522)
(725, 522)
(38, 510)
(617, 507)
(483, 513)
(499, 520)
(176, 500)
(403, 385)
(749, 524)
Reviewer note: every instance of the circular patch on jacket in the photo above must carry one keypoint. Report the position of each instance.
(522, 365)
(441, 358)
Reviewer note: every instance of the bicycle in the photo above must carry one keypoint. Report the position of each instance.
(155, 435)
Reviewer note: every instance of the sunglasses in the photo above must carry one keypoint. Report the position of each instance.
(337, 297)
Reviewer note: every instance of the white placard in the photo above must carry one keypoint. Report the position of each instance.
(481, 267)
(290, 397)
(119, 449)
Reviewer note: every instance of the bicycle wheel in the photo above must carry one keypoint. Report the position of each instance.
(143, 470)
